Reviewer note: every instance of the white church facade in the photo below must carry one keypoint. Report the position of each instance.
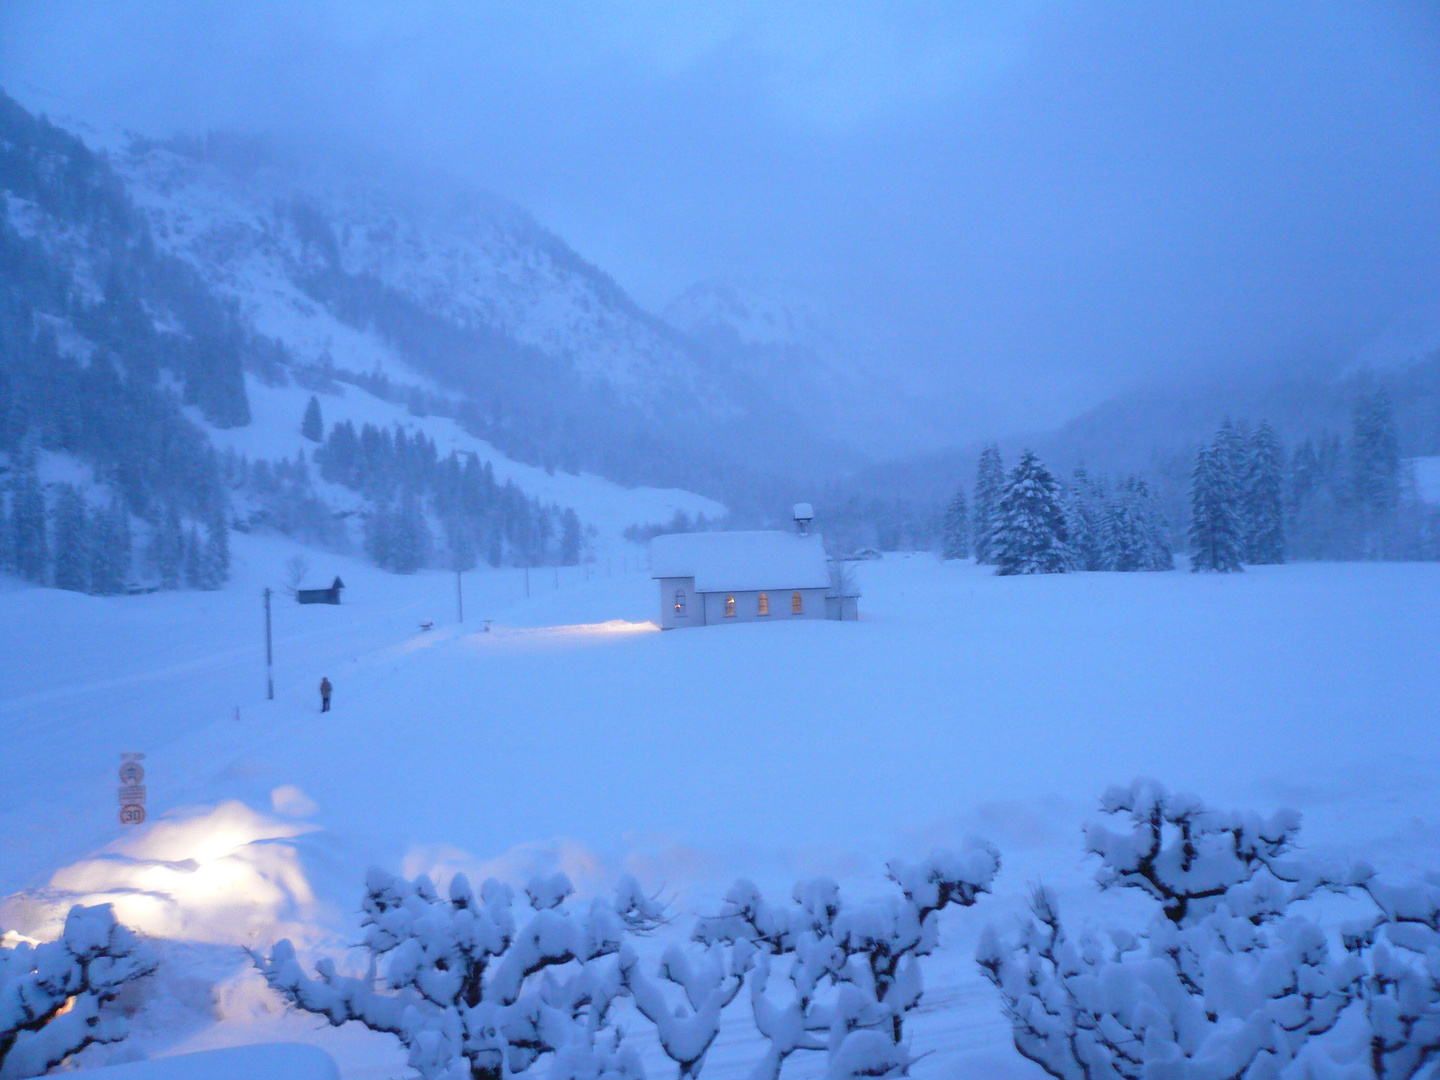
(709, 579)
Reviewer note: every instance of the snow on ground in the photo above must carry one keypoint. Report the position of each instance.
(274, 432)
(574, 735)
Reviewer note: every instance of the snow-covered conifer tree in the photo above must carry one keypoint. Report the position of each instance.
(1155, 534)
(1083, 514)
(72, 540)
(1264, 498)
(215, 557)
(28, 533)
(167, 548)
(110, 552)
(572, 540)
(54, 996)
(194, 559)
(1215, 537)
(1375, 468)
(312, 426)
(989, 487)
(955, 538)
(1031, 537)
(410, 536)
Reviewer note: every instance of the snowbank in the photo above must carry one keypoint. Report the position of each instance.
(273, 1061)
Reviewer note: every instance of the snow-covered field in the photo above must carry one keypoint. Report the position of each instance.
(574, 735)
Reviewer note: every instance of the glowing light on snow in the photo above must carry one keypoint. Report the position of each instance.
(223, 874)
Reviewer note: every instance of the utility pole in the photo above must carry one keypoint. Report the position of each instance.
(269, 654)
(459, 597)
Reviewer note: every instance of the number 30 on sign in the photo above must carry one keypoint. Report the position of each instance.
(132, 815)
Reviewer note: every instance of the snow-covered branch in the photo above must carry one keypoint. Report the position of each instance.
(473, 993)
(52, 995)
(853, 969)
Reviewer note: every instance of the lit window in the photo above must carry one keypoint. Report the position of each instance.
(764, 603)
(679, 601)
(729, 607)
(797, 604)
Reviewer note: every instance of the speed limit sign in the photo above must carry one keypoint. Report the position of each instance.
(132, 815)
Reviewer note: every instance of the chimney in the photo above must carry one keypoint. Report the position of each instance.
(804, 514)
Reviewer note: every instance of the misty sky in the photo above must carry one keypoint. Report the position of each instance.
(1027, 206)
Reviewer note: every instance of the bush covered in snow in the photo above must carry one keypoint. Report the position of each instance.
(474, 994)
(837, 977)
(1226, 981)
(52, 995)
(471, 991)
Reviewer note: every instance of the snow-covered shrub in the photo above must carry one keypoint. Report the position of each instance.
(473, 993)
(52, 995)
(1225, 982)
(1400, 988)
(709, 982)
(852, 969)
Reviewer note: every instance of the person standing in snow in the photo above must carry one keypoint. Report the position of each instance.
(325, 689)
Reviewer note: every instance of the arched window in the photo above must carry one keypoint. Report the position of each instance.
(729, 607)
(797, 604)
(680, 602)
(764, 603)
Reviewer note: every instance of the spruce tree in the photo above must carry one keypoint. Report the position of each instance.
(194, 559)
(110, 553)
(312, 427)
(1121, 542)
(72, 541)
(571, 538)
(378, 535)
(1214, 521)
(1083, 515)
(1158, 553)
(1231, 453)
(955, 540)
(215, 556)
(410, 539)
(167, 549)
(27, 527)
(1032, 537)
(989, 487)
(7, 536)
(1264, 498)
(1375, 468)
(462, 547)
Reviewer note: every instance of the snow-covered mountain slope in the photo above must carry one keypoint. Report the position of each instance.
(785, 347)
(480, 264)
(961, 703)
(274, 432)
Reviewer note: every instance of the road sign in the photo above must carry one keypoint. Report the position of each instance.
(132, 772)
(134, 793)
(132, 815)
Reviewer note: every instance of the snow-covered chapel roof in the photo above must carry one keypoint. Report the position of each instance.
(741, 561)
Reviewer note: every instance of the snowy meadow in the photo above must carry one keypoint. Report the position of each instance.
(574, 737)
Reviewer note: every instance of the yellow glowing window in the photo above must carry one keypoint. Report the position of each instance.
(797, 604)
(729, 607)
(679, 601)
(764, 603)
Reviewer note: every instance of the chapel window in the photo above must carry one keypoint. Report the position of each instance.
(680, 602)
(797, 604)
(764, 603)
(729, 607)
